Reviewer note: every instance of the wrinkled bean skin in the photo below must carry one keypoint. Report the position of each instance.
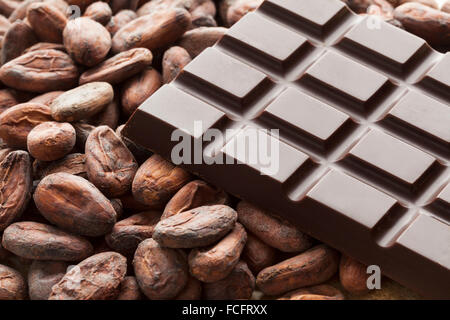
(12, 284)
(88, 212)
(312, 267)
(161, 272)
(214, 263)
(15, 187)
(198, 227)
(96, 278)
(257, 254)
(110, 165)
(39, 241)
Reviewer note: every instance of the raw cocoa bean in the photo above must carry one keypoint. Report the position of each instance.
(20, 12)
(382, 8)
(214, 263)
(8, 99)
(109, 116)
(51, 140)
(11, 48)
(161, 272)
(312, 267)
(8, 6)
(273, 230)
(203, 15)
(15, 187)
(74, 204)
(428, 23)
(99, 11)
(257, 254)
(117, 5)
(118, 206)
(46, 98)
(119, 67)
(353, 275)
(129, 289)
(45, 46)
(192, 290)
(197, 40)
(43, 275)
(39, 241)
(95, 278)
(138, 88)
(73, 164)
(239, 284)
(128, 233)
(87, 41)
(40, 71)
(119, 20)
(157, 180)
(195, 194)
(431, 3)
(240, 8)
(155, 30)
(82, 130)
(110, 165)
(47, 21)
(320, 292)
(12, 284)
(197, 227)
(82, 102)
(158, 5)
(446, 7)
(18, 121)
(174, 60)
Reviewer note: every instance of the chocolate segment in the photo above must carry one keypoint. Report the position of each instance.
(360, 154)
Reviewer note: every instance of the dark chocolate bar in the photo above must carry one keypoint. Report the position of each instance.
(363, 113)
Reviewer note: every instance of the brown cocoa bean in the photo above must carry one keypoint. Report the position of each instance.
(239, 284)
(155, 30)
(42, 276)
(197, 40)
(119, 20)
(95, 278)
(12, 284)
(138, 88)
(18, 121)
(428, 23)
(47, 21)
(157, 180)
(82, 102)
(82, 4)
(174, 60)
(109, 116)
(119, 67)
(8, 99)
(99, 11)
(431, 3)
(110, 165)
(8, 6)
(158, 5)
(129, 289)
(40, 71)
(11, 48)
(353, 275)
(20, 12)
(87, 41)
(45, 46)
(320, 292)
(51, 140)
(15, 186)
(192, 290)
(214, 263)
(73, 164)
(39, 241)
(257, 254)
(161, 272)
(203, 15)
(130, 204)
(128, 233)
(446, 7)
(272, 229)
(74, 204)
(118, 206)
(195, 194)
(239, 9)
(197, 227)
(312, 267)
(46, 98)
(82, 130)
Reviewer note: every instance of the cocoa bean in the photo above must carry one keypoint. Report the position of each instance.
(47, 21)
(12, 284)
(42, 276)
(192, 290)
(257, 254)
(320, 292)
(129, 289)
(353, 275)
(11, 48)
(119, 20)
(174, 60)
(99, 11)
(197, 40)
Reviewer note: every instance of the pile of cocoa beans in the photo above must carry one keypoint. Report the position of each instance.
(87, 214)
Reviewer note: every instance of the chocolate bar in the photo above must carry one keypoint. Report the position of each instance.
(363, 147)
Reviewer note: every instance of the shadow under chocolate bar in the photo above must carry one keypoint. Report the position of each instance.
(363, 113)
